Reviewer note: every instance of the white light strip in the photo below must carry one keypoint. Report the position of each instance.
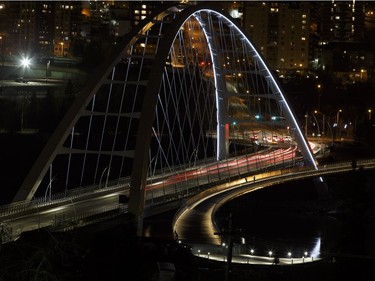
(218, 139)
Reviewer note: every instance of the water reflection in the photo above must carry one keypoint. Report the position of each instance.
(282, 221)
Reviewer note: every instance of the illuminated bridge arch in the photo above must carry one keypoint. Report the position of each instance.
(184, 98)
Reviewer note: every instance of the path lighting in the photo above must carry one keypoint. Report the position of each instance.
(369, 114)
(290, 256)
(252, 251)
(270, 253)
(199, 251)
(208, 255)
(304, 256)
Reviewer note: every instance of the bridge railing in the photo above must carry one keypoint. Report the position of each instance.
(62, 197)
(113, 186)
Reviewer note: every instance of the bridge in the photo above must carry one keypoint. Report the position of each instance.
(184, 103)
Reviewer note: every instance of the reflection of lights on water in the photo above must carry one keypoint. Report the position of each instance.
(315, 252)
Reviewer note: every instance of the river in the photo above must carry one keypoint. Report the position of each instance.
(292, 217)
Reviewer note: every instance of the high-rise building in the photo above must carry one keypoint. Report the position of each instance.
(68, 20)
(347, 20)
(141, 9)
(335, 21)
(280, 31)
(41, 28)
(45, 14)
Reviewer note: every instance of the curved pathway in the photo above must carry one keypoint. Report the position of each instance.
(194, 222)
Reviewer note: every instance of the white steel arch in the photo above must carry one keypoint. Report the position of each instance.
(186, 88)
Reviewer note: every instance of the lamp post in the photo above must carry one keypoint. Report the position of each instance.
(304, 256)
(62, 48)
(319, 86)
(306, 119)
(48, 73)
(324, 117)
(369, 114)
(317, 124)
(2, 50)
(338, 122)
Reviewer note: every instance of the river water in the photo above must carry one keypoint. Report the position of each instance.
(293, 218)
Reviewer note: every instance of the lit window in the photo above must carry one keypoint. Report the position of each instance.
(136, 12)
(144, 6)
(143, 12)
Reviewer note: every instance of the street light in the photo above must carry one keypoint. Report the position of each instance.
(25, 62)
(369, 114)
(2, 50)
(62, 48)
(317, 124)
(338, 122)
(323, 128)
(319, 86)
(306, 116)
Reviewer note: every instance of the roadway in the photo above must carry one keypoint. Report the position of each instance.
(160, 190)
